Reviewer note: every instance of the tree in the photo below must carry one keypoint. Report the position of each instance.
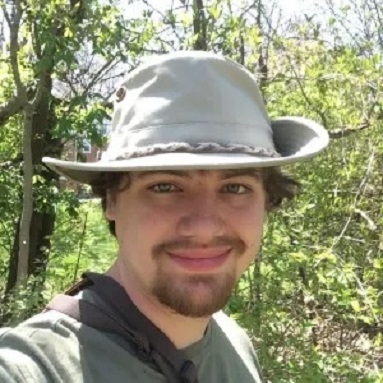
(47, 41)
(312, 300)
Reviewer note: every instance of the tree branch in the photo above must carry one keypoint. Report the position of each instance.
(14, 25)
(380, 21)
(346, 131)
(97, 76)
(318, 111)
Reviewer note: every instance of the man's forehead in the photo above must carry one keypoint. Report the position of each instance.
(221, 173)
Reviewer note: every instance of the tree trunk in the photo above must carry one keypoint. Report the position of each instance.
(27, 209)
(12, 278)
(42, 221)
(43, 217)
(199, 26)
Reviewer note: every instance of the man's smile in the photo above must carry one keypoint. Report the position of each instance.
(201, 260)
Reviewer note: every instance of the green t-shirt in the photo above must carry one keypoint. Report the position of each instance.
(54, 348)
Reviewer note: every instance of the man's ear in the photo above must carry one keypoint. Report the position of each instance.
(110, 207)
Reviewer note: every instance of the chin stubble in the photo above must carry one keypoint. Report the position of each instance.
(178, 292)
(181, 297)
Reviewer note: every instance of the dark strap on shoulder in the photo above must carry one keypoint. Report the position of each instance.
(90, 314)
(122, 303)
(126, 320)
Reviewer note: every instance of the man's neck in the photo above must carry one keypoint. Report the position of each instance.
(182, 331)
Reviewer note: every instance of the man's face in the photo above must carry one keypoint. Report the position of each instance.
(186, 237)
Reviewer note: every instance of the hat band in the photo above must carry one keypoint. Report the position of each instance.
(183, 147)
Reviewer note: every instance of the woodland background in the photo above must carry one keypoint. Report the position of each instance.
(312, 301)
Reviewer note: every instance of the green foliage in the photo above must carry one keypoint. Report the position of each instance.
(312, 300)
(81, 242)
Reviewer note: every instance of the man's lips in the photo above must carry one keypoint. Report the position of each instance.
(201, 259)
(202, 253)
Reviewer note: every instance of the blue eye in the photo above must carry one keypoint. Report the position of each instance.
(236, 189)
(163, 188)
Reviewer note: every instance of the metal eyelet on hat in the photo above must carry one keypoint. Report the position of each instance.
(120, 94)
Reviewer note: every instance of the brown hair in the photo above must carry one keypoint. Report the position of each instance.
(278, 186)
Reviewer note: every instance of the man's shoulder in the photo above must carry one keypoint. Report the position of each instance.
(33, 350)
(233, 341)
(230, 327)
(44, 335)
(41, 325)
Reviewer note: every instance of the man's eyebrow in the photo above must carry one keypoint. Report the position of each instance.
(223, 174)
(254, 173)
(151, 173)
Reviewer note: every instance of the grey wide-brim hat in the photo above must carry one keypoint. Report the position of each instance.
(195, 110)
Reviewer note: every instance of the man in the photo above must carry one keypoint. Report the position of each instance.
(190, 173)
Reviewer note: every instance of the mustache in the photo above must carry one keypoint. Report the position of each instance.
(235, 243)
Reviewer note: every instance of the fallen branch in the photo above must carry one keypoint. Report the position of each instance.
(9, 109)
(371, 224)
(344, 132)
(14, 161)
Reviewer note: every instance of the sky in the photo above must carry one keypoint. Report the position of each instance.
(290, 7)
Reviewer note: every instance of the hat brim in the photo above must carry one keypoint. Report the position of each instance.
(295, 138)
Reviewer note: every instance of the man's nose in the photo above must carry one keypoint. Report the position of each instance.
(202, 219)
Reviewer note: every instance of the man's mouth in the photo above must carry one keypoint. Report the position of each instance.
(201, 260)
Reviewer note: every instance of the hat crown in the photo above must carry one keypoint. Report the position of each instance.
(188, 98)
(195, 110)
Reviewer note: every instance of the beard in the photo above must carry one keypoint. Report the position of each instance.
(195, 296)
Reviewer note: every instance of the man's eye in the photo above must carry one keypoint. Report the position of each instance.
(235, 189)
(164, 188)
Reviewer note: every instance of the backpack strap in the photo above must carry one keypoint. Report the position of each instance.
(91, 315)
(129, 312)
(126, 320)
